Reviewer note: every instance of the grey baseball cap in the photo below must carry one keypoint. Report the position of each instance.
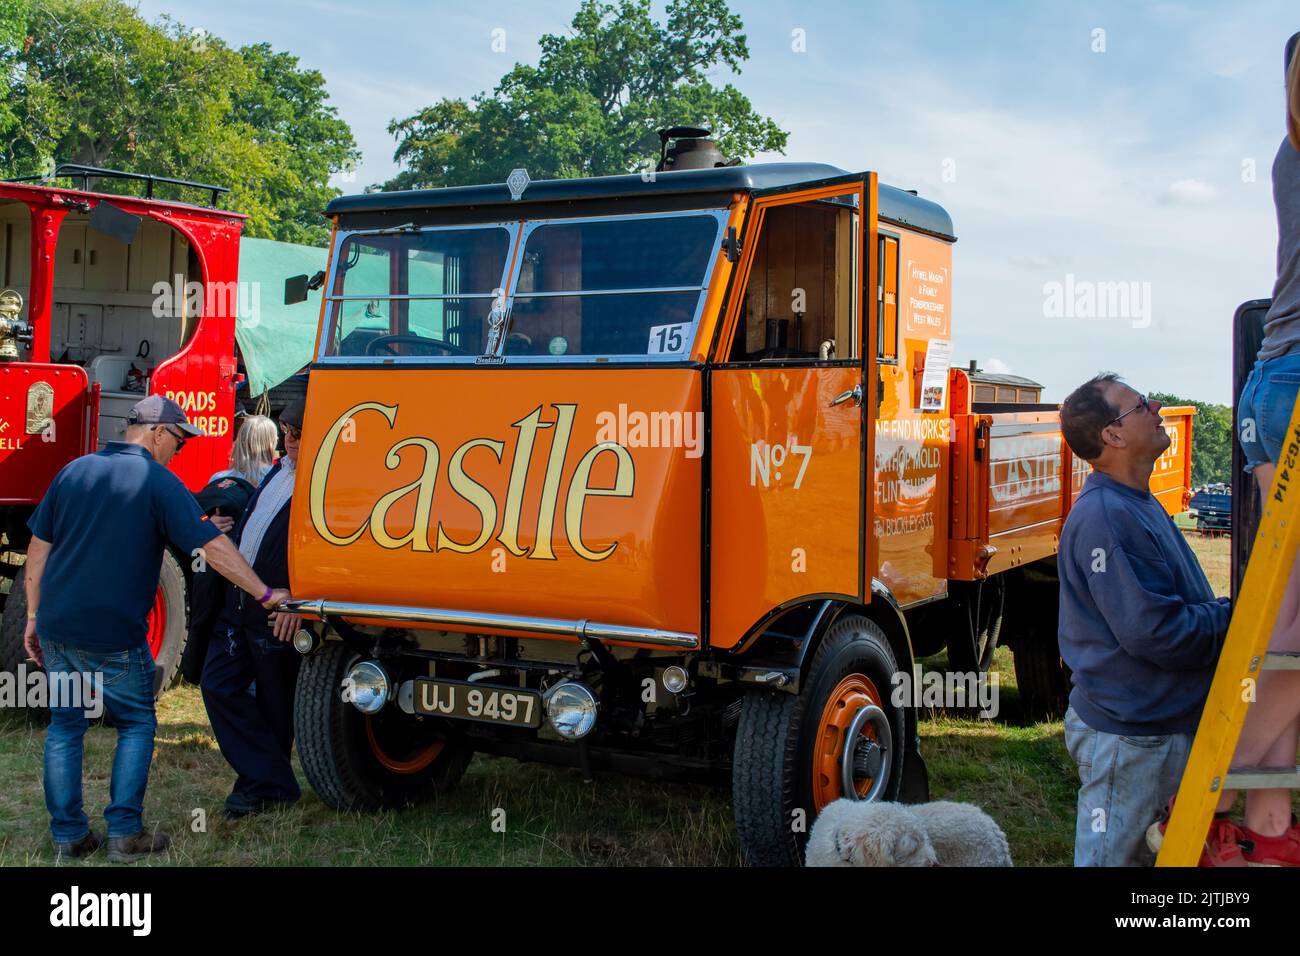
(157, 410)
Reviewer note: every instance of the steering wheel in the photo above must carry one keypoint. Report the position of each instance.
(384, 344)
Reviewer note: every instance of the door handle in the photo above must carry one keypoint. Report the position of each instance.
(854, 393)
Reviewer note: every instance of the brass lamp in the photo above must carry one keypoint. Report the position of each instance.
(13, 329)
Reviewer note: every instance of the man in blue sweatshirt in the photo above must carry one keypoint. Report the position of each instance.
(1140, 629)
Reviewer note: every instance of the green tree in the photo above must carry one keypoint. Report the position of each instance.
(13, 31)
(592, 105)
(289, 106)
(99, 85)
(1211, 439)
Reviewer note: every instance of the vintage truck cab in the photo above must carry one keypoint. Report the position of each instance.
(105, 298)
(648, 473)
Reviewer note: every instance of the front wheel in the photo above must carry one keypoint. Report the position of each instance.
(842, 736)
(365, 762)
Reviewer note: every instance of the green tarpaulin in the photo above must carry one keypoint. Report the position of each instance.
(275, 339)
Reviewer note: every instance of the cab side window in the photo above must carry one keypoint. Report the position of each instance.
(798, 302)
(887, 300)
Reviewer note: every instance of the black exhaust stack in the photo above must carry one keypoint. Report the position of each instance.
(688, 147)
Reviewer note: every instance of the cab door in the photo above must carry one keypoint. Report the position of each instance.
(200, 375)
(789, 492)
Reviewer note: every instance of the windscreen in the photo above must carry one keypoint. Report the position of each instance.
(613, 288)
(424, 293)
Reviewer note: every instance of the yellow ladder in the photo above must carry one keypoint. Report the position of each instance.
(1244, 655)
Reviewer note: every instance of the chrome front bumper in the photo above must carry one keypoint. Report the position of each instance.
(446, 617)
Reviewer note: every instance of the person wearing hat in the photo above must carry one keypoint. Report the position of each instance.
(247, 648)
(96, 552)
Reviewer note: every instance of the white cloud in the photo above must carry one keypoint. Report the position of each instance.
(1190, 191)
(997, 366)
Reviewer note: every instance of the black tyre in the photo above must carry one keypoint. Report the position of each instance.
(789, 749)
(167, 633)
(13, 624)
(971, 644)
(355, 762)
(1041, 676)
(169, 623)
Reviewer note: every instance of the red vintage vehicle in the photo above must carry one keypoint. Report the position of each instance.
(105, 298)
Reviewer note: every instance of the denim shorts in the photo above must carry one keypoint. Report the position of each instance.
(1264, 410)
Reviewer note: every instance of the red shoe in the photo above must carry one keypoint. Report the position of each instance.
(1222, 843)
(1283, 850)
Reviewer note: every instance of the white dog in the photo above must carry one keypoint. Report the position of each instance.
(853, 833)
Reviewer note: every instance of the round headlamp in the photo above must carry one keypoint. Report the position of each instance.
(367, 687)
(571, 709)
(305, 641)
(675, 679)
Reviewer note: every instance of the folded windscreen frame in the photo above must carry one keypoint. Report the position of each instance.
(1247, 336)
(114, 223)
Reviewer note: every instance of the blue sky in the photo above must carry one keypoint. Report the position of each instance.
(1055, 158)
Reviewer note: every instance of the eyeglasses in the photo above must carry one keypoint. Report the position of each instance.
(180, 439)
(291, 432)
(1142, 403)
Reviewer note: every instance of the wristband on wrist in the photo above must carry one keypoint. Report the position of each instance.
(265, 597)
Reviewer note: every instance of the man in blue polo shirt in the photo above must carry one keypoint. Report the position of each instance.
(92, 575)
(1140, 629)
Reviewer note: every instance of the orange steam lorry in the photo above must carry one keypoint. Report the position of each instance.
(665, 473)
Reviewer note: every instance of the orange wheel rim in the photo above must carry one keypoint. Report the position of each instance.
(412, 764)
(850, 695)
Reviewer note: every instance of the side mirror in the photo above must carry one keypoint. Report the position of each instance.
(295, 289)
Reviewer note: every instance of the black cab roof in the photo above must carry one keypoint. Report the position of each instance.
(896, 205)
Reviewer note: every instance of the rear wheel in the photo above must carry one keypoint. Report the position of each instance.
(168, 625)
(1042, 678)
(970, 648)
(840, 737)
(375, 762)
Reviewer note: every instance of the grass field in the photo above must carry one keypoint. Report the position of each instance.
(1018, 771)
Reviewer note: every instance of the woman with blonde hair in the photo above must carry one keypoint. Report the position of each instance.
(224, 499)
(253, 452)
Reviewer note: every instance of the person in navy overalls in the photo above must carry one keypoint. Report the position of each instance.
(251, 666)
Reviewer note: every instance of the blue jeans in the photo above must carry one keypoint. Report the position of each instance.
(1125, 783)
(1264, 409)
(125, 681)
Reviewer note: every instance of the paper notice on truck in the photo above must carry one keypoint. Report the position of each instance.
(934, 381)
